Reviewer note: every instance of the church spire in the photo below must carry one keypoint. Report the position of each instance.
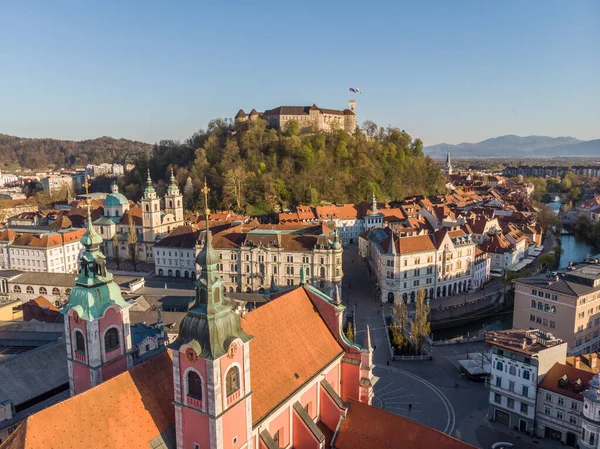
(172, 189)
(367, 342)
(211, 324)
(94, 289)
(149, 185)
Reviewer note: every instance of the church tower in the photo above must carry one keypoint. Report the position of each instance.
(150, 212)
(448, 165)
(97, 327)
(174, 201)
(211, 358)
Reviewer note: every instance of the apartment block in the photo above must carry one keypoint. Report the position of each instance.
(566, 303)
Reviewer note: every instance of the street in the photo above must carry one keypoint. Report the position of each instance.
(429, 392)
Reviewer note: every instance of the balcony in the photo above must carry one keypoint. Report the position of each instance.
(233, 397)
(194, 402)
(79, 355)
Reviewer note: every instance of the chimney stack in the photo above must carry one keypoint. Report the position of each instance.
(593, 360)
(577, 362)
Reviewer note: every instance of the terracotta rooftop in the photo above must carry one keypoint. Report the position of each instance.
(566, 380)
(276, 338)
(128, 410)
(367, 427)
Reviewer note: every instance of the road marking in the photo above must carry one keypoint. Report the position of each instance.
(389, 392)
(449, 429)
(391, 383)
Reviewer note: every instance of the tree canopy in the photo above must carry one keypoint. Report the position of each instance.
(254, 169)
(54, 153)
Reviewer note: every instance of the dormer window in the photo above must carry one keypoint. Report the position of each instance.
(563, 382)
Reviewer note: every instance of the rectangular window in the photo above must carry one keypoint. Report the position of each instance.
(499, 366)
(523, 408)
(525, 390)
(547, 411)
(510, 403)
(497, 398)
(574, 405)
(498, 381)
(561, 401)
(572, 419)
(526, 374)
(549, 397)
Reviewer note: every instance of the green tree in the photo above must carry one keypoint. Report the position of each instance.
(547, 261)
(420, 327)
(546, 217)
(400, 326)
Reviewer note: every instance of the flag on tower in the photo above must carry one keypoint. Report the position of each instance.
(352, 90)
(356, 90)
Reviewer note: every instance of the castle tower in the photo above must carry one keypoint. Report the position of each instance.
(373, 204)
(352, 105)
(97, 327)
(174, 201)
(211, 358)
(150, 212)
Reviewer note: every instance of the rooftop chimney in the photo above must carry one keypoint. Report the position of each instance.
(524, 343)
(593, 360)
(577, 362)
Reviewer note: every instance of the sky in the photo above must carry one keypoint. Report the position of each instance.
(445, 71)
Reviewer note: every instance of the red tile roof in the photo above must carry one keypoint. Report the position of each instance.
(367, 427)
(550, 380)
(128, 411)
(283, 348)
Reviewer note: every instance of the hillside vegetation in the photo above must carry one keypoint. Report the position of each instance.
(254, 169)
(43, 153)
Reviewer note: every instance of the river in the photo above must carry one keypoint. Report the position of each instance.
(573, 249)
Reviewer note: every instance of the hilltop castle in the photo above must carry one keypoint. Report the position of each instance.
(310, 118)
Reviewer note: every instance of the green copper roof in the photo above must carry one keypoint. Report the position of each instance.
(94, 290)
(211, 325)
(115, 199)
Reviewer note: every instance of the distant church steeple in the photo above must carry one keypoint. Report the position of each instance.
(448, 165)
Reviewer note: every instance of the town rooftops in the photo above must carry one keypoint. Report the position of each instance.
(567, 381)
(37, 238)
(576, 281)
(523, 341)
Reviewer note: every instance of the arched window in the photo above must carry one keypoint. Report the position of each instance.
(111, 339)
(29, 289)
(147, 208)
(43, 291)
(194, 385)
(56, 291)
(232, 380)
(17, 289)
(79, 342)
(322, 272)
(540, 306)
(160, 272)
(170, 272)
(67, 291)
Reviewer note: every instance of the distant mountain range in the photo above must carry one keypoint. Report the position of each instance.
(517, 146)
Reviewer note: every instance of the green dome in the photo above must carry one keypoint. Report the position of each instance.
(90, 238)
(115, 199)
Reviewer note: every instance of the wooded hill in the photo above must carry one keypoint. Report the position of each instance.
(255, 169)
(44, 153)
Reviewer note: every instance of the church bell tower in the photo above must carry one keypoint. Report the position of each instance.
(97, 327)
(211, 358)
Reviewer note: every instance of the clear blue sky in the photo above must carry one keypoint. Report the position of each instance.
(446, 71)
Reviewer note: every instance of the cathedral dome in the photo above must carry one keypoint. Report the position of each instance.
(115, 199)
